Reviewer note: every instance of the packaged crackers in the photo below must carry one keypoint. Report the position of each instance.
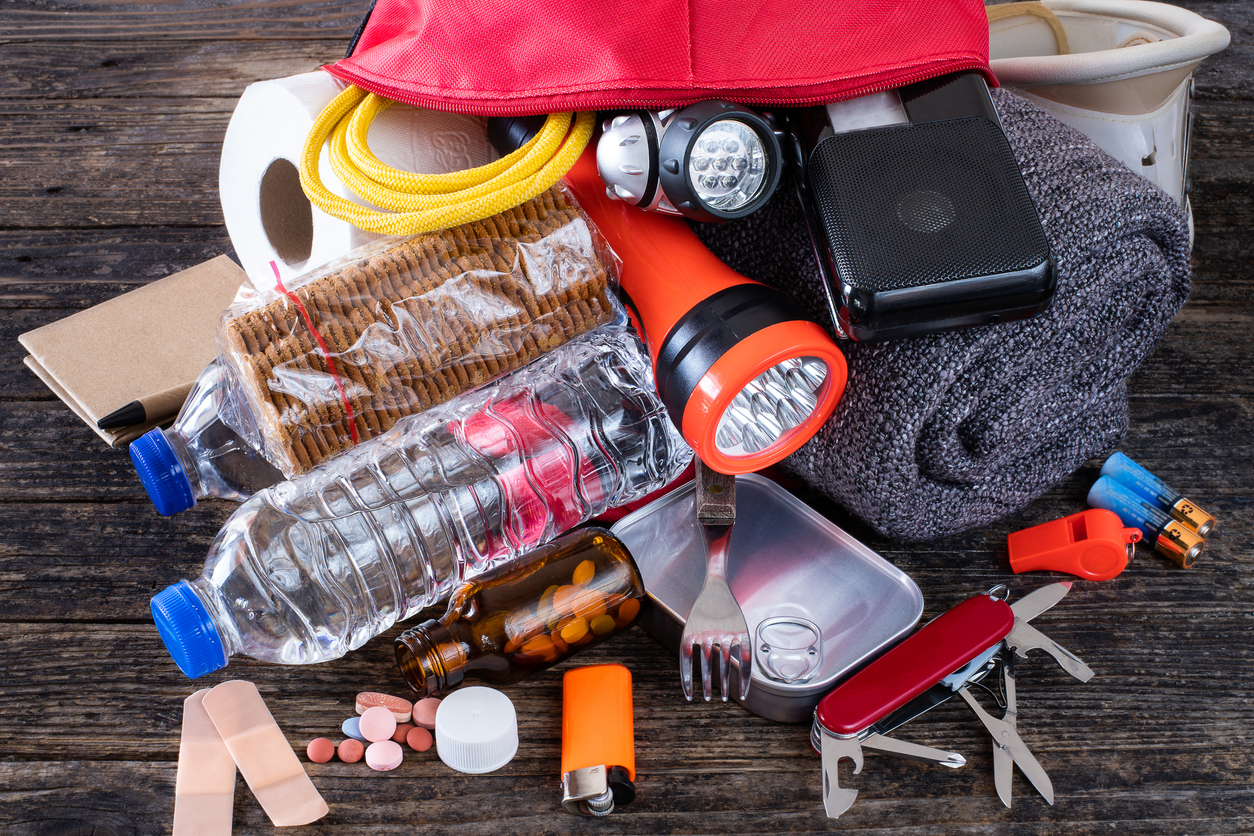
(344, 352)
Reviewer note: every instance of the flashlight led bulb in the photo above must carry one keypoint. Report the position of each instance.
(774, 402)
(732, 146)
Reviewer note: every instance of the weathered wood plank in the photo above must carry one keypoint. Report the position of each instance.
(122, 257)
(125, 68)
(311, 701)
(83, 561)
(1180, 758)
(137, 801)
(90, 21)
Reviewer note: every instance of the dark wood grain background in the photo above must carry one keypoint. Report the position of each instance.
(111, 121)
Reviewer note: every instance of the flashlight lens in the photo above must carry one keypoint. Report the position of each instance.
(734, 147)
(773, 403)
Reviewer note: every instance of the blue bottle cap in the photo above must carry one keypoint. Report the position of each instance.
(163, 477)
(188, 631)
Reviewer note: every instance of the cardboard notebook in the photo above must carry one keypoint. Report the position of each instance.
(148, 345)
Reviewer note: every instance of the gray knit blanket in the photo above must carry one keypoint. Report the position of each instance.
(939, 434)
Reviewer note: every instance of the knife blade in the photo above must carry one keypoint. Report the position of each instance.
(1024, 637)
(1038, 601)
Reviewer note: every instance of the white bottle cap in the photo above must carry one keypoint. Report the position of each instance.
(476, 730)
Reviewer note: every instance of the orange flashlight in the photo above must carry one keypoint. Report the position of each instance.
(598, 743)
(748, 378)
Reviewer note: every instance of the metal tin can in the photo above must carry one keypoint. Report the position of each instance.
(818, 602)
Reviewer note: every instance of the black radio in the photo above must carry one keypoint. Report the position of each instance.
(918, 213)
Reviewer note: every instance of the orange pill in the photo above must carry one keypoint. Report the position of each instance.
(565, 597)
(590, 604)
(575, 631)
(602, 625)
(320, 750)
(540, 646)
(351, 750)
(519, 626)
(584, 573)
(559, 642)
(419, 739)
(546, 599)
(401, 731)
(628, 610)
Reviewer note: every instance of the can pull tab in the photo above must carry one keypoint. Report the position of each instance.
(1092, 544)
(789, 648)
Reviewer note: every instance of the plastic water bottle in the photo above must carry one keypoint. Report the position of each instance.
(200, 456)
(310, 569)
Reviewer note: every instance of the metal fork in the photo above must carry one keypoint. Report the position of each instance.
(716, 618)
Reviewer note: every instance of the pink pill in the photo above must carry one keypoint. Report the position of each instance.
(320, 750)
(377, 724)
(424, 712)
(350, 751)
(419, 739)
(384, 755)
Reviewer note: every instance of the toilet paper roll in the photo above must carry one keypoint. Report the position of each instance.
(267, 214)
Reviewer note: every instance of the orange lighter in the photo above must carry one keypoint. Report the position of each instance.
(598, 743)
(1092, 544)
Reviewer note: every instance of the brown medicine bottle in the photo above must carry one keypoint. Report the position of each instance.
(527, 615)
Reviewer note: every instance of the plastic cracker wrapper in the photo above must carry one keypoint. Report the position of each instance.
(344, 352)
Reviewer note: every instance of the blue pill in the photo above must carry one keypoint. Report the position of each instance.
(352, 728)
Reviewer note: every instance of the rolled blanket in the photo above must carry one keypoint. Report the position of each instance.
(939, 434)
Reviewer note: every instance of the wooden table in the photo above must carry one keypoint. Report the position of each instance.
(113, 116)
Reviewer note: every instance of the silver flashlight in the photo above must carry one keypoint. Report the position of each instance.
(711, 161)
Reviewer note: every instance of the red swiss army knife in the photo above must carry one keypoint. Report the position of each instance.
(942, 659)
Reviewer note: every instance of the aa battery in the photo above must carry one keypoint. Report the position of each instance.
(1172, 538)
(1158, 493)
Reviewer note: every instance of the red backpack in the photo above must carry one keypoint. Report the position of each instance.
(505, 58)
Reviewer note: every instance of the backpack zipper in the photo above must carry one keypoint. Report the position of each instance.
(625, 103)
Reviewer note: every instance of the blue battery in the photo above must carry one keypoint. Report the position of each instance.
(1169, 536)
(1158, 493)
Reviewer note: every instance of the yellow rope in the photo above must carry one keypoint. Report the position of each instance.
(416, 203)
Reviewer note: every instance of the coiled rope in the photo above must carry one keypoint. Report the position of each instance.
(416, 203)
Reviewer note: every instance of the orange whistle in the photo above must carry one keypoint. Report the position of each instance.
(1092, 544)
(598, 741)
